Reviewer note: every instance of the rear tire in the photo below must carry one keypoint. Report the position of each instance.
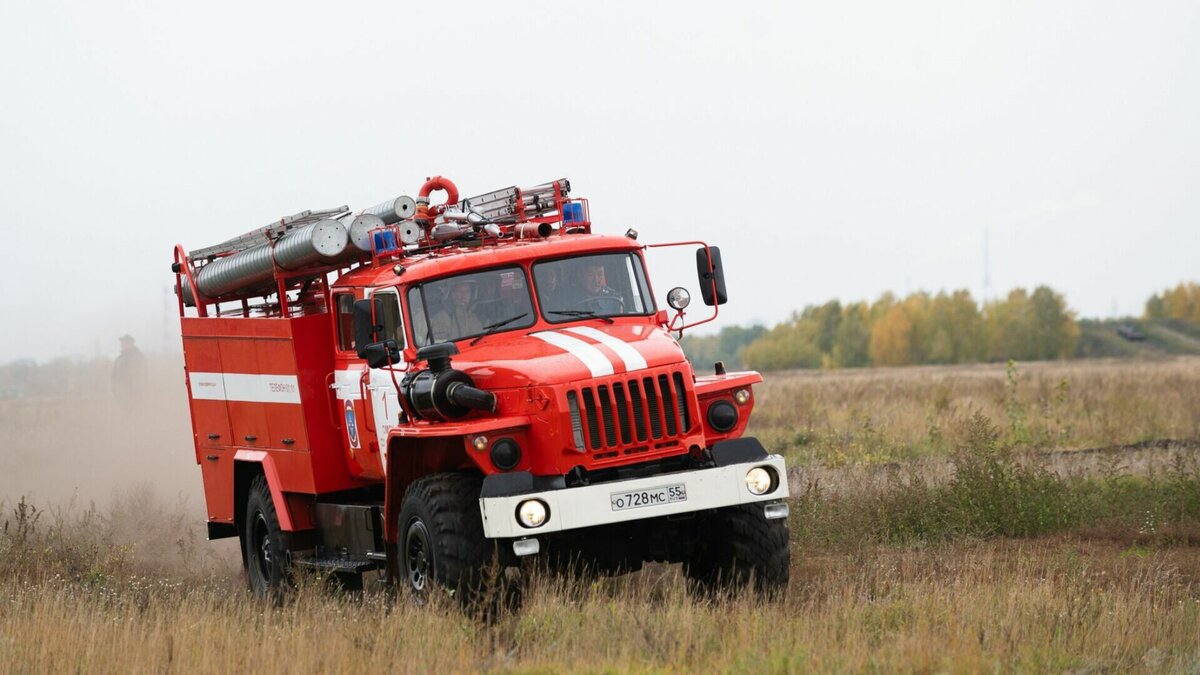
(266, 546)
(738, 548)
(441, 546)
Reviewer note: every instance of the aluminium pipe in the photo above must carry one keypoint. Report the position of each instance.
(563, 184)
(393, 210)
(254, 268)
(361, 228)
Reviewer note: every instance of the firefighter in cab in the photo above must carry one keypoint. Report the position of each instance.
(458, 319)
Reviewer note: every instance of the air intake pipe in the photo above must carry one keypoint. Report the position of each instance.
(440, 392)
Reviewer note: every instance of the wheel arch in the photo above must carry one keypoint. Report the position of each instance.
(246, 465)
(410, 458)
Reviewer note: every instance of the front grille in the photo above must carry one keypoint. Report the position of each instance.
(630, 411)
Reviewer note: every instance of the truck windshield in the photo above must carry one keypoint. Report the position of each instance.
(466, 305)
(605, 285)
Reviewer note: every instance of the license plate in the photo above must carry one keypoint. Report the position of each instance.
(636, 499)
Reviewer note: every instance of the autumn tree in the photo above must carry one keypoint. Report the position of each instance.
(726, 346)
(945, 328)
(1181, 302)
(1030, 327)
(891, 338)
(956, 332)
(1055, 332)
(852, 344)
(792, 344)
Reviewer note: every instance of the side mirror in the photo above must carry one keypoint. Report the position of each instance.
(712, 283)
(380, 354)
(367, 334)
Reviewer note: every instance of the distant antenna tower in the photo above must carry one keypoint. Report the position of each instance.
(987, 265)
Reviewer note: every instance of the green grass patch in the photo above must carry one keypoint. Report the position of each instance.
(996, 491)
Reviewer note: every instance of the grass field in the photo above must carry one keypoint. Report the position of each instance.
(1044, 518)
(886, 415)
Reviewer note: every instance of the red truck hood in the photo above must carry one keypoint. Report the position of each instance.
(566, 354)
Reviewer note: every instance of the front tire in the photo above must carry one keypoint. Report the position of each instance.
(441, 545)
(738, 548)
(264, 543)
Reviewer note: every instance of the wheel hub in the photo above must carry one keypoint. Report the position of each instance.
(263, 538)
(418, 555)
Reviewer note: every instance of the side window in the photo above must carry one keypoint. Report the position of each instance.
(345, 321)
(422, 333)
(393, 327)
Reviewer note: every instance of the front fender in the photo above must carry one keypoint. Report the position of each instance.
(714, 384)
(465, 428)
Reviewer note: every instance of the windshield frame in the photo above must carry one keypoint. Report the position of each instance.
(639, 274)
(417, 291)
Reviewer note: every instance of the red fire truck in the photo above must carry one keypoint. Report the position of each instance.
(435, 391)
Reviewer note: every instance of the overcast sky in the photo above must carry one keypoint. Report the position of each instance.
(833, 150)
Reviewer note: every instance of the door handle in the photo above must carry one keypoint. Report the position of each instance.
(332, 403)
(368, 409)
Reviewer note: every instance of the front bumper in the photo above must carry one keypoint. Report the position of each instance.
(591, 505)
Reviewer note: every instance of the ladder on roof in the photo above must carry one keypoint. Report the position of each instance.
(265, 235)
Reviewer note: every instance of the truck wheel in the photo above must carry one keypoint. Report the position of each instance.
(441, 545)
(739, 546)
(264, 543)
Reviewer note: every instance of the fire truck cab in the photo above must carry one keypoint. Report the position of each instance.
(438, 391)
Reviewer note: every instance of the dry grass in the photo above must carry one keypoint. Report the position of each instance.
(881, 415)
(963, 555)
(1049, 605)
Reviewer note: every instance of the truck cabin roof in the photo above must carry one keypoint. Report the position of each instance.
(451, 260)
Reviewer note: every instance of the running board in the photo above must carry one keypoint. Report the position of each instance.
(329, 563)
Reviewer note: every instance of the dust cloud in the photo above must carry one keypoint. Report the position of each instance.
(74, 448)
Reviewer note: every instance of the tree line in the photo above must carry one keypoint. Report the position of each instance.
(918, 329)
(1181, 302)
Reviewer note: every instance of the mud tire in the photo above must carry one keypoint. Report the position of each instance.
(740, 548)
(265, 544)
(441, 547)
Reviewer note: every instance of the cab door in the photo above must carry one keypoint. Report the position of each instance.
(348, 382)
(383, 383)
(367, 403)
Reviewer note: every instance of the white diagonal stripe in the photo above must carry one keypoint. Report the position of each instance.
(633, 358)
(593, 358)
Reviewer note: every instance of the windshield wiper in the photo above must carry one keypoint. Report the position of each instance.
(590, 314)
(492, 327)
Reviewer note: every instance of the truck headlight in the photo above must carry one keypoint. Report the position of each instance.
(506, 454)
(760, 480)
(722, 416)
(532, 513)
